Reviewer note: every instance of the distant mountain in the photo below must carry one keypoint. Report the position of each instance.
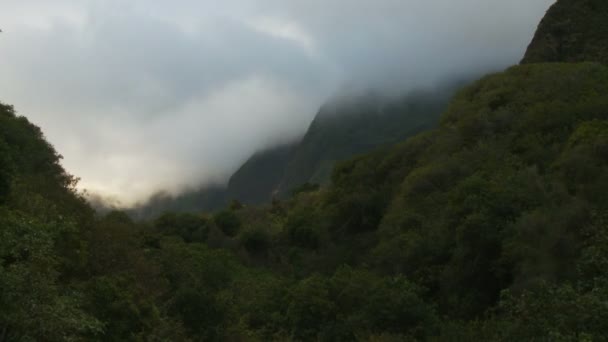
(257, 180)
(207, 198)
(348, 126)
(572, 31)
(344, 127)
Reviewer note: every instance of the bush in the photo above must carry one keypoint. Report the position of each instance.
(228, 222)
(256, 241)
(190, 227)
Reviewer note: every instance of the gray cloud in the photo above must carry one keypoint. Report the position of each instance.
(147, 95)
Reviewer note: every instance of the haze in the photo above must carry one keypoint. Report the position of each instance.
(141, 96)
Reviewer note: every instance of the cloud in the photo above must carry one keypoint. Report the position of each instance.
(147, 95)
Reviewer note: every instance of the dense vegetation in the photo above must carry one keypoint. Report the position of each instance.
(572, 31)
(491, 227)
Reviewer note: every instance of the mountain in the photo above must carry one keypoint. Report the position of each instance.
(571, 31)
(518, 160)
(256, 181)
(206, 198)
(348, 126)
(344, 127)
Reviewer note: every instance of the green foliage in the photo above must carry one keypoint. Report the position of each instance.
(6, 171)
(125, 314)
(256, 241)
(228, 222)
(199, 311)
(33, 303)
(368, 304)
(300, 228)
(306, 187)
(559, 313)
(572, 31)
(190, 227)
(261, 303)
(310, 308)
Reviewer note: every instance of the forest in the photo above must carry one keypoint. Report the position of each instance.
(490, 226)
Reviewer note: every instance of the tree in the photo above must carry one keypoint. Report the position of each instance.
(33, 304)
(228, 222)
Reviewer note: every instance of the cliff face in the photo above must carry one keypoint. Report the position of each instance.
(571, 31)
(343, 129)
(256, 181)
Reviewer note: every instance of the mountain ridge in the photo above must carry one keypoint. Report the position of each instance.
(571, 31)
(345, 126)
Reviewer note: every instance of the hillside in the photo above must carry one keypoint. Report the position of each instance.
(490, 227)
(345, 127)
(518, 160)
(39, 244)
(256, 181)
(572, 31)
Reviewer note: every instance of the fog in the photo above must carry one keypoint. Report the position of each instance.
(141, 96)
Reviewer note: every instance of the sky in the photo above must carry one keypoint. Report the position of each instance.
(141, 96)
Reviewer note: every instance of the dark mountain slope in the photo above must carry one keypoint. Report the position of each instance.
(572, 31)
(346, 127)
(499, 195)
(40, 249)
(206, 199)
(257, 180)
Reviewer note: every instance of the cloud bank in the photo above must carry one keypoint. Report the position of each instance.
(141, 96)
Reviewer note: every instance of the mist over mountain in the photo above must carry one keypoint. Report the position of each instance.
(149, 96)
(347, 126)
(350, 123)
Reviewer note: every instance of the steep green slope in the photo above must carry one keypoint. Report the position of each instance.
(257, 180)
(39, 245)
(346, 127)
(66, 275)
(491, 227)
(500, 195)
(572, 31)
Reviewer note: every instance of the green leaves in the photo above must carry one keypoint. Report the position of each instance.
(228, 222)
(33, 304)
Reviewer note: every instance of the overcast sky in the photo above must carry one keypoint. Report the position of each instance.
(144, 95)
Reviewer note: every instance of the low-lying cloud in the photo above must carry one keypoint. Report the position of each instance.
(141, 96)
